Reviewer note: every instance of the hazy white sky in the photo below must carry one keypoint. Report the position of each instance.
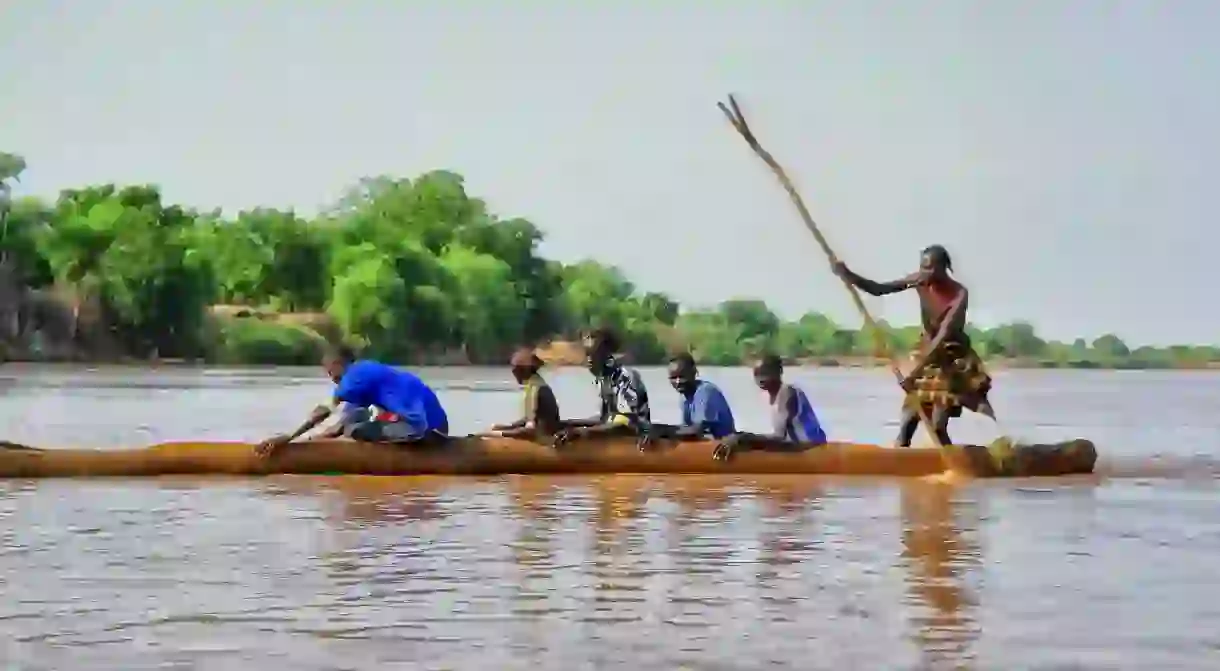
(1060, 150)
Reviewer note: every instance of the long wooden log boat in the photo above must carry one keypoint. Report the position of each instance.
(496, 456)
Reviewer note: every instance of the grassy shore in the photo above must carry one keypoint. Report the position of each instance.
(247, 337)
(576, 362)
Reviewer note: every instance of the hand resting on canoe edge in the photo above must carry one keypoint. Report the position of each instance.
(271, 445)
(624, 409)
(732, 445)
(540, 416)
(580, 430)
(705, 411)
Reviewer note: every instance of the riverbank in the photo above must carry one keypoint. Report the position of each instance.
(412, 270)
(567, 354)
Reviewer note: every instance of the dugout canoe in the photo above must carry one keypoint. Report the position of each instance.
(496, 456)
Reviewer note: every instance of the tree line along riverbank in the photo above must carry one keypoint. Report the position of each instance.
(411, 270)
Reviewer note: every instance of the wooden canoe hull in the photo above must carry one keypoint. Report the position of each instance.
(495, 456)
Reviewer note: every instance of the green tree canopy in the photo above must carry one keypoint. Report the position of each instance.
(416, 270)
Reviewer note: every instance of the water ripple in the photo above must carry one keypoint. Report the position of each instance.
(607, 572)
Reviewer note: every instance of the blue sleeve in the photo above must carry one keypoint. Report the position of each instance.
(792, 407)
(719, 408)
(720, 414)
(702, 405)
(820, 438)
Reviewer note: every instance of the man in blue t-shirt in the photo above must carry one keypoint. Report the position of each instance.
(705, 410)
(412, 412)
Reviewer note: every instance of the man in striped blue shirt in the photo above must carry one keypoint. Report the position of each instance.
(795, 425)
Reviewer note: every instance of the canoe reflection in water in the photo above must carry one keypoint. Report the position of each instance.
(684, 550)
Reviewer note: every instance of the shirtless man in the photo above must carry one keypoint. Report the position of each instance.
(948, 374)
(624, 398)
(540, 419)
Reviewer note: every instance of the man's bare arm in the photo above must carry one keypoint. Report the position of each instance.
(333, 432)
(511, 426)
(874, 288)
(320, 414)
(603, 416)
(269, 446)
(584, 422)
(526, 424)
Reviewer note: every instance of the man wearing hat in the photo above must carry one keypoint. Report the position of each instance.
(540, 419)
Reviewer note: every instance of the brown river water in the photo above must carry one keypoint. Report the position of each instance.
(627, 572)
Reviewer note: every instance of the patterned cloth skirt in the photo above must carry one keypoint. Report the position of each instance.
(954, 378)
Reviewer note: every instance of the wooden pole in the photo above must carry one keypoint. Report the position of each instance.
(735, 117)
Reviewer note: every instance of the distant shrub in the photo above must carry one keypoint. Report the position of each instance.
(253, 341)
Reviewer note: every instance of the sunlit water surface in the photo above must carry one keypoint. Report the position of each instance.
(638, 572)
